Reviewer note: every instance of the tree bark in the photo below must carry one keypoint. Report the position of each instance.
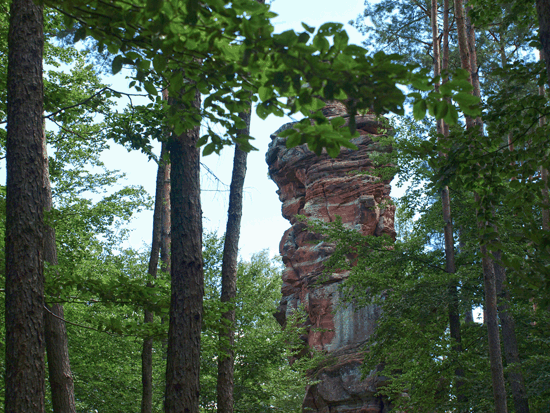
(165, 237)
(59, 367)
(545, 198)
(509, 340)
(543, 14)
(225, 383)
(545, 212)
(508, 325)
(495, 356)
(491, 320)
(474, 73)
(450, 266)
(25, 202)
(147, 351)
(57, 342)
(187, 284)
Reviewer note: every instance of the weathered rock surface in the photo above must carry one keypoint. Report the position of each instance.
(322, 188)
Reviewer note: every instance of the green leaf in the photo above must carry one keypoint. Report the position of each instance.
(446, 89)
(286, 133)
(262, 111)
(333, 150)
(132, 55)
(80, 34)
(440, 109)
(303, 38)
(117, 64)
(317, 104)
(330, 29)
(208, 149)
(287, 38)
(461, 74)
(347, 144)
(202, 140)
(452, 115)
(337, 122)
(265, 93)
(354, 50)
(341, 40)
(419, 109)
(143, 64)
(320, 43)
(150, 88)
(294, 139)
(422, 85)
(466, 99)
(309, 29)
(159, 63)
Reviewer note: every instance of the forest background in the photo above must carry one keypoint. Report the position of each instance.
(498, 176)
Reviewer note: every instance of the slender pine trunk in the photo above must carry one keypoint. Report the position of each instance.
(57, 342)
(25, 202)
(225, 382)
(543, 14)
(59, 367)
(491, 316)
(450, 266)
(544, 177)
(165, 237)
(147, 351)
(509, 340)
(507, 322)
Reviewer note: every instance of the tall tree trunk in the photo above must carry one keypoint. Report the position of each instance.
(187, 284)
(474, 73)
(495, 356)
(490, 313)
(25, 202)
(225, 382)
(59, 367)
(57, 343)
(147, 351)
(165, 237)
(509, 340)
(450, 266)
(543, 13)
(507, 322)
(545, 198)
(544, 177)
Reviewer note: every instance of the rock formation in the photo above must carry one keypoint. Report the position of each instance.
(321, 188)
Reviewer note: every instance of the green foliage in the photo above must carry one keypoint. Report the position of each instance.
(264, 380)
(285, 73)
(411, 348)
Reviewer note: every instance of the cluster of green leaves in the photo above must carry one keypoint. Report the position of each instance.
(411, 349)
(228, 52)
(264, 380)
(106, 331)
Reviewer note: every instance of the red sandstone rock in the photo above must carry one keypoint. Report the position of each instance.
(322, 188)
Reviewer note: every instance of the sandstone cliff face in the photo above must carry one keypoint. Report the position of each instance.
(321, 188)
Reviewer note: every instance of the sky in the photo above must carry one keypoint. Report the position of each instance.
(262, 222)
